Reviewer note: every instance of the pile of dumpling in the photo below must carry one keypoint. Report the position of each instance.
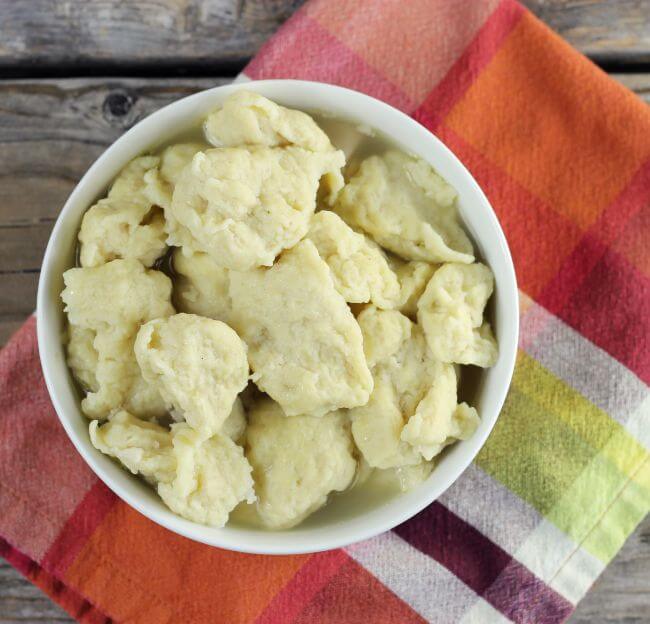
(308, 333)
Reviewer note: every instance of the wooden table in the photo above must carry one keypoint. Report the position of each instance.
(75, 74)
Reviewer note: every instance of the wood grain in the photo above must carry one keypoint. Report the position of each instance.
(80, 34)
(73, 37)
(610, 31)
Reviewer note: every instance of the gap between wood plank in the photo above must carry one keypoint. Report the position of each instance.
(159, 69)
(610, 63)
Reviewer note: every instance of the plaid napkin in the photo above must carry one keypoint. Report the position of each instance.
(563, 154)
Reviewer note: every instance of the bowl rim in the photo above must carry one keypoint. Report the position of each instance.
(506, 282)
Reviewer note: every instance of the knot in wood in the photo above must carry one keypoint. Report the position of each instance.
(118, 104)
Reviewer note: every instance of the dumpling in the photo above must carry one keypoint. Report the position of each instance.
(438, 420)
(176, 157)
(106, 306)
(451, 314)
(359, 268)
(244, 206)
(413, 278)
(142, 447)
(406, 207)
(200, 479)
(297, 461)
(129, 184)
(160, 182)
(212, 477)
(234, 427)
(201, 285)
(384, 334)
(111, 230)
(377, 427)
(126, 224)
(119, 292)
(119, 381)
(198, 365)
(304, 345)
(82, 356)
(412, 413)
(402, 371)
(247, 118)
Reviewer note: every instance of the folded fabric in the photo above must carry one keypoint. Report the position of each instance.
(563, 154)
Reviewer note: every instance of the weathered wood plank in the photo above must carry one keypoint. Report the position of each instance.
(63, 36)
(639, 83)
(22, 246)
(153, 33)
(17, 294)
(609, 31)
(7, 327)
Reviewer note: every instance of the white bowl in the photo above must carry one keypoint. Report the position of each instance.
(338, 524)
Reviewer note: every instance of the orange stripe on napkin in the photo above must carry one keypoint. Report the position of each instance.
(181, 579)
(539, 238)
(577, 160)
